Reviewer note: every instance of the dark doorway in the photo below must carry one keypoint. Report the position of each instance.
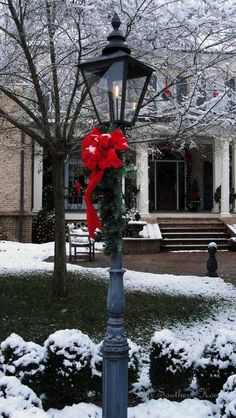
(208, 185)
(166, 185)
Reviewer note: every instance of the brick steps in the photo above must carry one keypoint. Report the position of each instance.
(192, 234)
(191, 247)
(192, 228)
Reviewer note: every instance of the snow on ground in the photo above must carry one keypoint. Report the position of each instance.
(17, 258)
(161, 408)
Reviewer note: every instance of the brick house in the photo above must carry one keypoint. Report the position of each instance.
(20, 184)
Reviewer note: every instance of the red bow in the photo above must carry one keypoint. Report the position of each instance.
(98, 154)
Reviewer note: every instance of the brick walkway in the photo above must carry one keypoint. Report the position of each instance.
(183, 263)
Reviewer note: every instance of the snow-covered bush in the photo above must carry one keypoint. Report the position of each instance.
(134, 366)
(16, 397)
(24, 360)
(217, 363)
(171, 365)
(226, 401)
(68, 367)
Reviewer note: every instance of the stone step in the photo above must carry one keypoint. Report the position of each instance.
(179, 221)
(190, 240)
(192, 228)
(195, 234)
(191, 247)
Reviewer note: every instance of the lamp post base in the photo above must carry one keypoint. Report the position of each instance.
(115, 348)
(115, 379)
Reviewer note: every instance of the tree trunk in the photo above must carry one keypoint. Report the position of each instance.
(59, 277)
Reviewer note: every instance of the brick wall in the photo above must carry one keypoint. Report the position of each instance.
(9, 224)
(10, 139)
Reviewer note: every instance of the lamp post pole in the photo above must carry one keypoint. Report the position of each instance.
(115, 346)
(116, 83)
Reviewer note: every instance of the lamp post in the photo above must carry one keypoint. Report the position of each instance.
(116, 83)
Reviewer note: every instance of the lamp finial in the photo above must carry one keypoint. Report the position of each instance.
(116, 21)
(116, 38)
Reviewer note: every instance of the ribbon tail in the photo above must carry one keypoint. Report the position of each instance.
(93, 221)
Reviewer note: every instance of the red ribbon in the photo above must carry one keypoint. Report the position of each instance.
(98, 154)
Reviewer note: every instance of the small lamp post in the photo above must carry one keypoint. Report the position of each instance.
(116, 83)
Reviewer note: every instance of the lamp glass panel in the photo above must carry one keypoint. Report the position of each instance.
(105, 87)
(134, 88)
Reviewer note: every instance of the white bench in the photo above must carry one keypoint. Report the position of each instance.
(79, 239)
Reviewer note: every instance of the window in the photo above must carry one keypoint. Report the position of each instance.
(74, 175)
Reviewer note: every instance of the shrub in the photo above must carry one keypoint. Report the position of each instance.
(171, 365)
(15, 397)
(217, 363)
(134, 366)
(43, 227)
(68, 371)
(24, 360)
(226, 401)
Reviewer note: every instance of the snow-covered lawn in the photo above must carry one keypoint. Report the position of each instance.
(16, 258)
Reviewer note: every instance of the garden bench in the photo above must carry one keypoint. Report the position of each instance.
(78, 241)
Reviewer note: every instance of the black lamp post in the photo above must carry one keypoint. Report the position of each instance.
(116, 83)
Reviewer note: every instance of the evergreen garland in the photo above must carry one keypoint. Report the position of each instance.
(111, 210)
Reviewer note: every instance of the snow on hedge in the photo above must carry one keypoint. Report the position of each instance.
(226, 401)
(221, 353)
(72, 344)
(30, 413)
(14, 396)
(21, 358)
(176, 350)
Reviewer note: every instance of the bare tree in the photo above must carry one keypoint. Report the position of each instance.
(42, 43)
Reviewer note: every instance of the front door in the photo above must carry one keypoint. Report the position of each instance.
(166, 185)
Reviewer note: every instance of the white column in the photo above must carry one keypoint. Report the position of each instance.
(225, 178)
(216, 171)
(234, 174)
(38, 179)
(142, 178)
